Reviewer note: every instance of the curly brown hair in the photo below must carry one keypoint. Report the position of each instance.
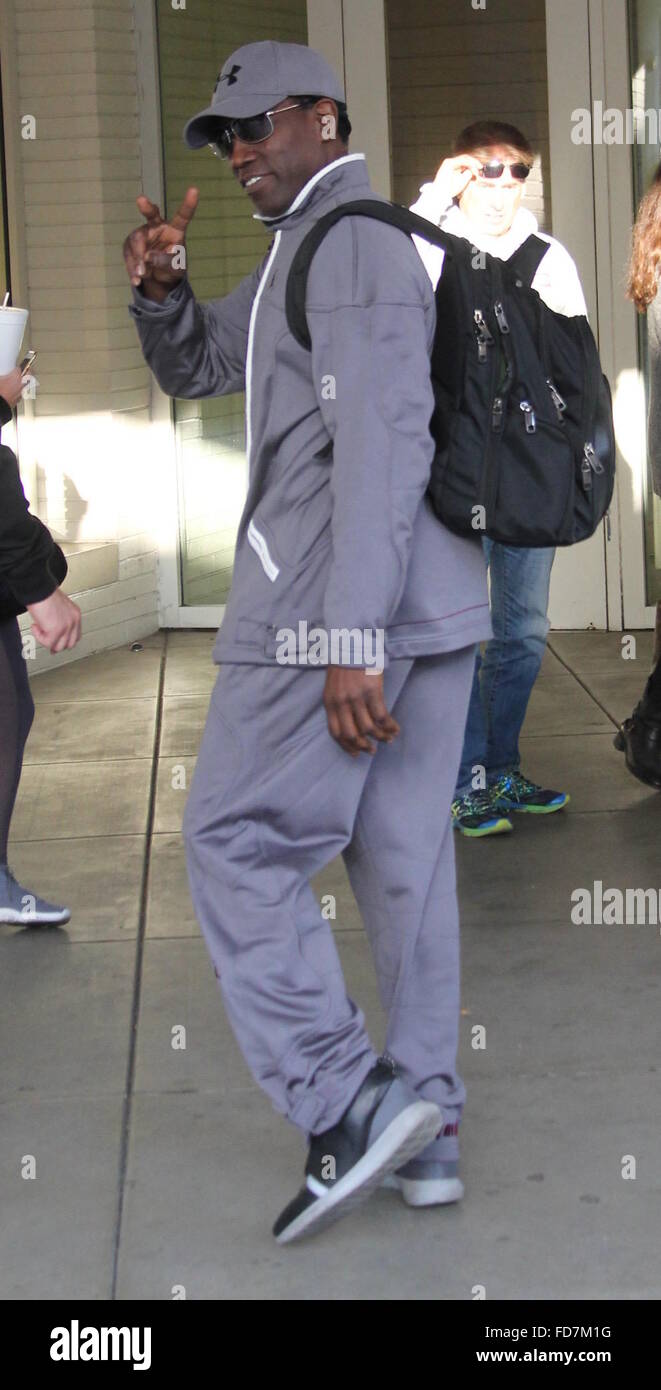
(646, 248)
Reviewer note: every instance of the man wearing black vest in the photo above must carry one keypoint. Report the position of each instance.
(477, 194)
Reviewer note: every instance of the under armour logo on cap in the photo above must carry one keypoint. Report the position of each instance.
(229, 77)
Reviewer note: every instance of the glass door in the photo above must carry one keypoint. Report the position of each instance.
(224, 245)
(4, 231)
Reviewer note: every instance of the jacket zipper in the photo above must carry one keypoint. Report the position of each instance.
(251, 337)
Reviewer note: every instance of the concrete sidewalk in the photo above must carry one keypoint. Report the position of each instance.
(159, 1167)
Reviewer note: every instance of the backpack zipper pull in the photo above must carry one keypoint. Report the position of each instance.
(497, 413)
(591, 458)
(530, 417)
(484, 338)
(482, 326)
(559, 403)
(500, 317)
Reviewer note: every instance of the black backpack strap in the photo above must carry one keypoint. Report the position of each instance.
(391, 213)
(527, 259)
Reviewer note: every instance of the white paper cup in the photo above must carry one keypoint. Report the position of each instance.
(12, 329)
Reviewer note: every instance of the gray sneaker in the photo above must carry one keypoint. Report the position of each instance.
(19, 906)
(385, 1125)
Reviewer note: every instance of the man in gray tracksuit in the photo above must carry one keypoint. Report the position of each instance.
(301, 761)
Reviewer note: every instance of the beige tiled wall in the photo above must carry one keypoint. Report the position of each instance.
(84, 442)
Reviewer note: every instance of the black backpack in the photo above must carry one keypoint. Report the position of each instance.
(523, 424)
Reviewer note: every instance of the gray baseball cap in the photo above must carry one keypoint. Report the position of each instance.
(256, 78)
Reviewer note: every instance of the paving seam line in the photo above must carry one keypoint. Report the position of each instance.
(127, 1107)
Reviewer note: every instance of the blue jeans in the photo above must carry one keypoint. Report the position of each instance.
(505, 675)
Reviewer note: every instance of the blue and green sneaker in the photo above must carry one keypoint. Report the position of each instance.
(475, 814)
(514, 792)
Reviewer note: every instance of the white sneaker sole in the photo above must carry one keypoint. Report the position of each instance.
(426, 1192)
(15, 918)
(406, 1136)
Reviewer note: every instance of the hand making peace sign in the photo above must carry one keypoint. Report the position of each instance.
(150, 250)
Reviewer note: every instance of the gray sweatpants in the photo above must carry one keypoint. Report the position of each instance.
(273, 800)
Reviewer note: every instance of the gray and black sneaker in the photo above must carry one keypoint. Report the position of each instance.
(386, 1125)
(22, 908)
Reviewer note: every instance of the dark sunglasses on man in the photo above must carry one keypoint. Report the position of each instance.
(494, 169)
(251, 130)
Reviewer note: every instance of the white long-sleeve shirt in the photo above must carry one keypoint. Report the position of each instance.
(556, 281)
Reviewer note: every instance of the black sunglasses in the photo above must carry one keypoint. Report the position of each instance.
(494, 169)
(250, 129)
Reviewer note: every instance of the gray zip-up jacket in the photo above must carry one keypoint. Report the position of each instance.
(336, 532)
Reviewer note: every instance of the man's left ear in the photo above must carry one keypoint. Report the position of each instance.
(328, 125)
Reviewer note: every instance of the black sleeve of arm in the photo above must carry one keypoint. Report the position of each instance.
(31, 563)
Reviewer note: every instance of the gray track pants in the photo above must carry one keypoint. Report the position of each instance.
(273, 800)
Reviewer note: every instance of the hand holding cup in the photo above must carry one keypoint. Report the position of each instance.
(12, 386)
